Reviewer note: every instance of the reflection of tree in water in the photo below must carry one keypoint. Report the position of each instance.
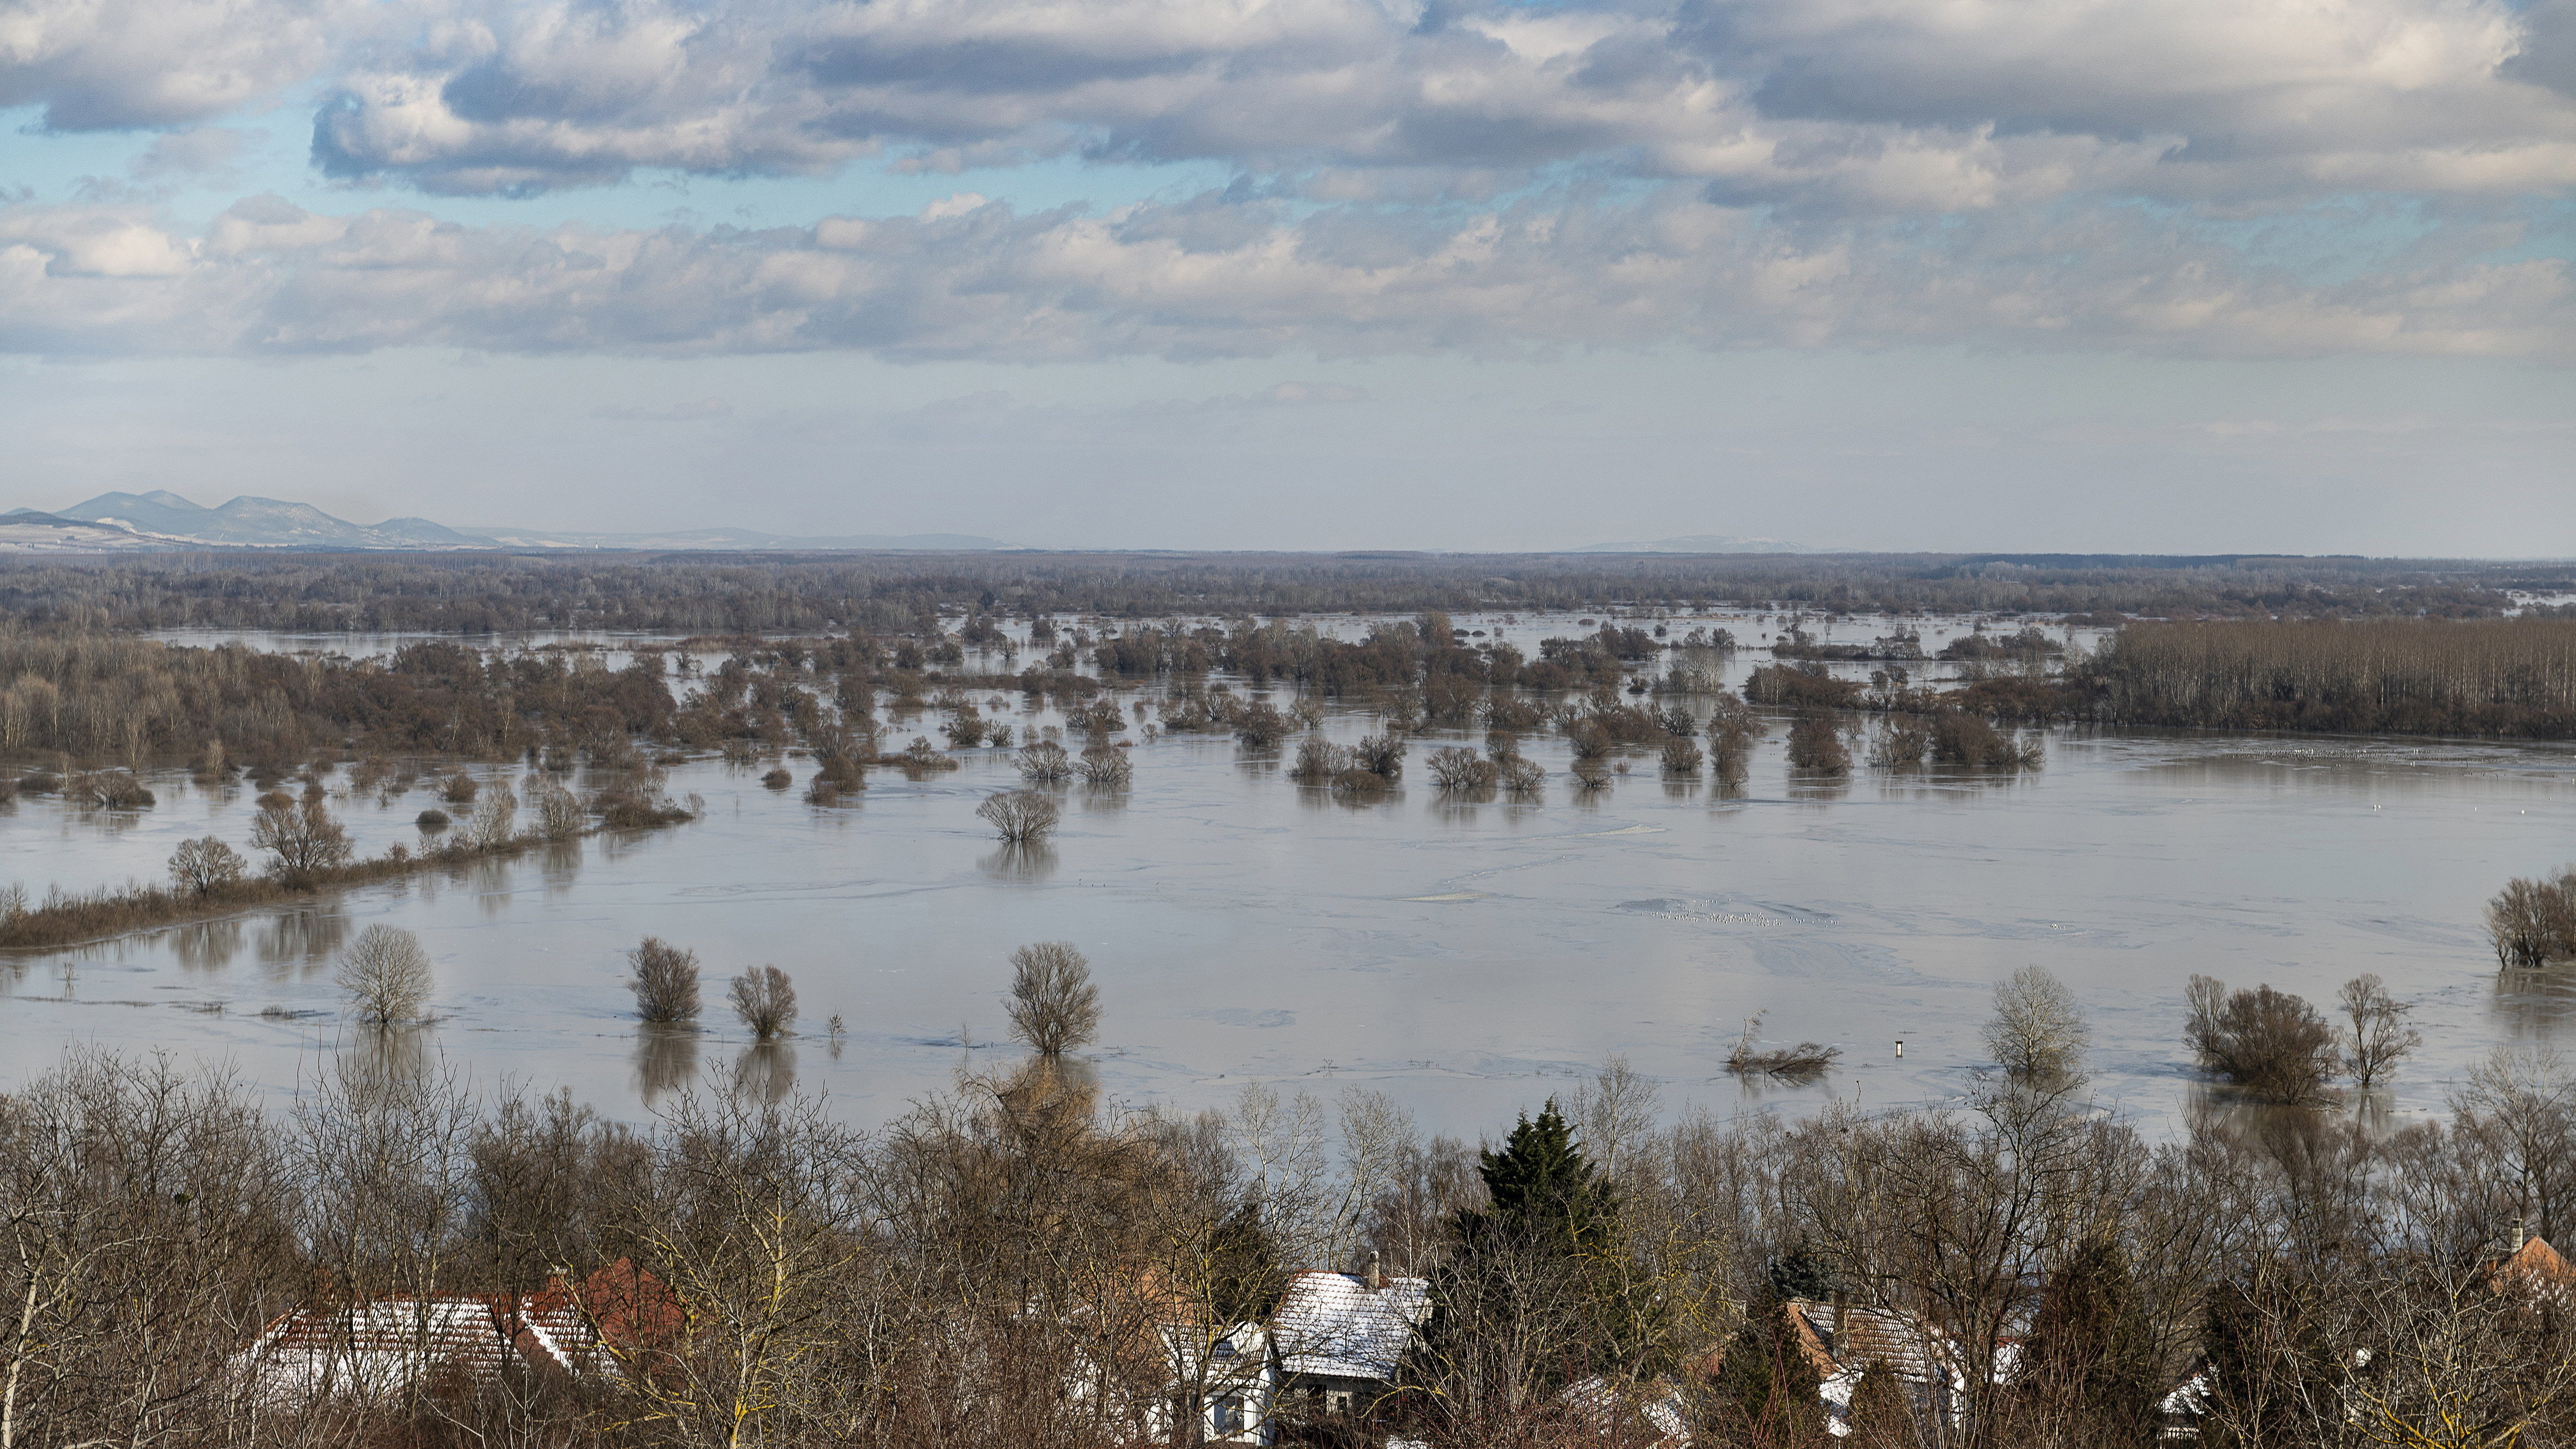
(2534, 1004)
(489, 879)
(1020, 863)
(2294, 1132)
(561, 862)
(306, 937)
(390, 1053)
(666, 1059)
(207, 945)
(766, 1070)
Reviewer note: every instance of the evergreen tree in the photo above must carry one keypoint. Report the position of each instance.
(1880, 1416)
(1543, 1187)
(2088, 1356)
(1767, 1386)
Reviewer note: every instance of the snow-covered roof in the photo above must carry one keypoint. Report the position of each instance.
(1334, 1325)
(384, 1345)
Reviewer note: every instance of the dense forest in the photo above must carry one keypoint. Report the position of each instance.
(1017, 1262)
(483, 593)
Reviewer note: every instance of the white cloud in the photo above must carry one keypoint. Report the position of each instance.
(114, 64)
(1870, 106)
(1211, 278)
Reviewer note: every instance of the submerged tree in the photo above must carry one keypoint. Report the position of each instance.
(2037, 1032)
(2375, 1036)
(665, 981)
(765, 998)
(1054, 1007)
(386, 974)
(2272, 1044)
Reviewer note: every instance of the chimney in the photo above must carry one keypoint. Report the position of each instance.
(1376, 1278)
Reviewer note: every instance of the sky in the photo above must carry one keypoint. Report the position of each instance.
(2029, 275)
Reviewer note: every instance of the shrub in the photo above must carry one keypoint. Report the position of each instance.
(1260, 726)
(664, 979)
(115, 789)
(1106, 766)
(206, 865)
(1380, 755)
(1054, 1007)
(765, 998)
(2272, 1044)
(1681, 757)
(1021, 817)
(2533, 921)
(964, 731)
(386, 975)
(1815, 744)
(560, 815)
(460, 789)
(432, 820)
(1964, 739)
(778, 779)
(1590, 773)
(1457, 769)
(1318, 761)
(1903, 741)
(1045, 763)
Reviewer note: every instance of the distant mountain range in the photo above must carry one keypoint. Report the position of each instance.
(162, 520)
(1706, 543)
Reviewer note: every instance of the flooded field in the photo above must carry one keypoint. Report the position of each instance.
(1469, 957)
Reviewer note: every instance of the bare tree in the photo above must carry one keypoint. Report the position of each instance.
(386, 975)
(765, 999)
(2532, 921)
(2036, 1032)
(1106, 766)
(1045, 763)
(2376, 1036)
(2269, 1042)
(1054, 1006)
(304, 838)
(665, 981)
(559, 812)
(206, 865)
(1021, 817)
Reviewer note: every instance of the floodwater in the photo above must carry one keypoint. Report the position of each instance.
(1470, 958)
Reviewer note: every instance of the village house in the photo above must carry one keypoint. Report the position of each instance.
(388, 1346)
(1339, 1338)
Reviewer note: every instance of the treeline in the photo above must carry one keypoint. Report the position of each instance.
(1016, 1262)
(2505, 678)
(888, 594)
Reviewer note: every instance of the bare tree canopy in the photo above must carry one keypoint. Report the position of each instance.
(2376, 1036)
(1054, 1006)
(2037, 1033)
(1021, 817)
(2534, 921)
(386, 975)
(206, 865)
(765, 998)
(2272, 1044)
(664, 980)
(303, 837)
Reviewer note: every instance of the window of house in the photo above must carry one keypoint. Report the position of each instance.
(1229, 1415)
(1224, 1349)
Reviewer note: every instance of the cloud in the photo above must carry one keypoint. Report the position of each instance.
(1847, 106)
(681, 412)
(1210, 278)
(119, 64)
